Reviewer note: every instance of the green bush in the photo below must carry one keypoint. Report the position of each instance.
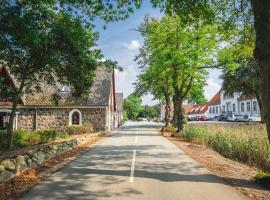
(47, 135)
(19, 138)
(63, 135)
(233, 143)
(33, 138)
(23, 138)
(83, 129)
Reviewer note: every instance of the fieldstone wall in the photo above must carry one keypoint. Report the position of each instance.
(9, 167)
(58, 118)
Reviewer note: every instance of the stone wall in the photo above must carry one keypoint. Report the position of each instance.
(58, 118)
(9, 167)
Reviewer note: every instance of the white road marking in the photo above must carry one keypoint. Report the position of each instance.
(136, 138)
(131, 177)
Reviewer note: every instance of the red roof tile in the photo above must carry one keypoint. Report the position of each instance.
(215, 99)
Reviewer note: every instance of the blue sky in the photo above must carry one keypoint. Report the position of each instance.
(121, 44)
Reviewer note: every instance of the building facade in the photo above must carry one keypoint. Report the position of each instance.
(39, 111)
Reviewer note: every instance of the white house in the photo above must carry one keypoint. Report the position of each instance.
(233, 104)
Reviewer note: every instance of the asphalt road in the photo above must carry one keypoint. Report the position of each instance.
(135, 163)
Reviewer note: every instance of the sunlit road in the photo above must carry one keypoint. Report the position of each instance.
(135, 163)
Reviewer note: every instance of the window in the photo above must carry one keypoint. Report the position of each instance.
(65, 89)
(254, 105)
(223, 108)
(216, 110)
(234, 107)
(75, 117)
(248, 106)
(242, 107)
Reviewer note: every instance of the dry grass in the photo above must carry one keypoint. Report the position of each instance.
(244, 143)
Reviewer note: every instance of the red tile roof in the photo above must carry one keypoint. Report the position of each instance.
(215, 100)
(198, 109)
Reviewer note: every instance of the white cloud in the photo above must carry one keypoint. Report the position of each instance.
(212, 88)
(133, 45)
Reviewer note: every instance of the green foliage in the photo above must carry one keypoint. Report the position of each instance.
(83, 129)
(62, 135)
(246, 144)
(132, 106)
(26, 138)
(263, 178)
(150, 111)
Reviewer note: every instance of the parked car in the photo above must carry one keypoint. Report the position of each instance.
(201, 118)
(223, 117)
(252, 118)
(236, 118)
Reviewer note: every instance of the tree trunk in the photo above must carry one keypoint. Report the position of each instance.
(259, 99)
(180, 116)
(167, 110)
(261, 10)
(11, 124)
(175, 110)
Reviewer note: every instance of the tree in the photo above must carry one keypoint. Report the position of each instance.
(243, 80)
(154, 80)
(183, 51)
(238, 12)
(150, 112)
(39, 43)
(132, 106)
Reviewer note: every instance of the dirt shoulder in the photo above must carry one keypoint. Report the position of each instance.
(236, 174)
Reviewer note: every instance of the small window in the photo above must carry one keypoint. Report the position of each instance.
(254, 105)
(234, 108)
(248, 106)
(65, 89)
(216, 109)
(243, 107)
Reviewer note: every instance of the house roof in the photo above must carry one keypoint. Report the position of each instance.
(187, 108)
(98, 96)
(198, 109)
(215, 99)
(119, 98)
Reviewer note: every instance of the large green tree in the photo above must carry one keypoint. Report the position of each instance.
(41, 41)
(237, 12)
(184, 51)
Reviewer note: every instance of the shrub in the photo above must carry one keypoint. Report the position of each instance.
(85, 128)
(47, 135)
(33, 138)
(62, 135)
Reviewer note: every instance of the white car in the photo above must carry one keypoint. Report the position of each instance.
(236, 118)
(252, 118)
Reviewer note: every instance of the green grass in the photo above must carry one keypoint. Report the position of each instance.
(245, 143)
(263, 178)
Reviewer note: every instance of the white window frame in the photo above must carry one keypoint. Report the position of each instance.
(70, 117)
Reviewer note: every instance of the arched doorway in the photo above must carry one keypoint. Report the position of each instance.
(75, 117)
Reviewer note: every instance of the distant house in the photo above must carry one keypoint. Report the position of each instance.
(42, 111)
(119, 109)
(214, 108)
(198, 110)
(233, 104)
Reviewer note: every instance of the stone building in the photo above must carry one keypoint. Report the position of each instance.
(119, 98)
(43, 111)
